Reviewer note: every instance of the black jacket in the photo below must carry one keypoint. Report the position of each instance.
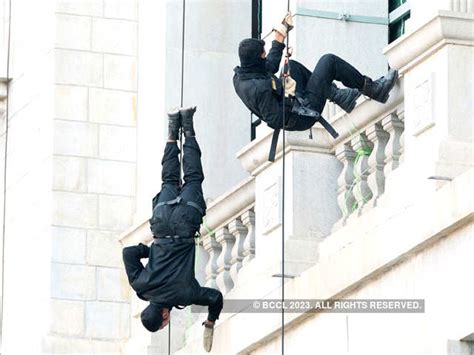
(260, 90)
(168, 278)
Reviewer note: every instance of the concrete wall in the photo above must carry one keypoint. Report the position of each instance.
(71, 174)
(28, 176)
(433, 275)
(360, 44)
(214, 29)
(94, 171)
(151, 129)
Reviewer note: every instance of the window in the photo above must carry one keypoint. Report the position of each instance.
(393, 4)
(399, 13)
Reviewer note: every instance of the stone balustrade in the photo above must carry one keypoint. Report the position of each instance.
(462, 5)
(228, 236)
(368, 155)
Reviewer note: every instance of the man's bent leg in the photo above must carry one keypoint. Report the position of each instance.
(329, 68)
(300, 74)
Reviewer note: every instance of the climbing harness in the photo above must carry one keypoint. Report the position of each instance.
(178, 200)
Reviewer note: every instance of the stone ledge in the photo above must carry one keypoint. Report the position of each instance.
(228, 205)
(445, 28)
(138, 233)
(392, 242)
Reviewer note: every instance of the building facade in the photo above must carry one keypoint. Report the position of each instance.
(382, 212)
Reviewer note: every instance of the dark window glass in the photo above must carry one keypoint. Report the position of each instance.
(397, 28)
(393, 4)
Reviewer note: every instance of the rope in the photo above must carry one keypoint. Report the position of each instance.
(182, 89)
(181, 130)
(286, 68)
(5, 156)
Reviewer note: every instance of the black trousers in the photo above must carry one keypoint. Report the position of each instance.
(315, 85)
(190, 191)
(193, 174)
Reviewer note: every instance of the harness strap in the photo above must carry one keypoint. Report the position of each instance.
(178, 200)
(328, 127)
(170, 202)
(173, 238)
(196, 206)
(273, 146)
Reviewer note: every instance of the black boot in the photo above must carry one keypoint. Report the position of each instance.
(187, 120)
(344, 98)
(174, 124)
(379, 89)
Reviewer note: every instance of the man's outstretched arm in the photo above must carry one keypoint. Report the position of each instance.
(278, 44)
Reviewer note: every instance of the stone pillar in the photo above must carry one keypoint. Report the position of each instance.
(248, 219)
(346, 155)
(240, 232)
(213, 248)
(394, 126)
(376, 177)
(310, 200)
(436, 61)
(223, 279)
(361, 190)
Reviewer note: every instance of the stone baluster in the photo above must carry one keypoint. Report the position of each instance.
(226, 240)
(401, 117)
(213, 248)
(248, 219)
(394, 127)
(345, 198)
(376, 161)
(239, 231)
(361, 191)
(462, 5)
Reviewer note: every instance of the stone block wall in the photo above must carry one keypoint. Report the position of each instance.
(94, 171)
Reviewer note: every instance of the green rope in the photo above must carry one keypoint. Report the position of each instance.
(209, 230)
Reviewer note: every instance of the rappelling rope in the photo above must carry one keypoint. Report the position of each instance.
(286, 68)
(182, 88)
(7, 114)
(181, 129)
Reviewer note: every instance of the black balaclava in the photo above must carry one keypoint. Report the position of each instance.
(151, 317)
(250, 52)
